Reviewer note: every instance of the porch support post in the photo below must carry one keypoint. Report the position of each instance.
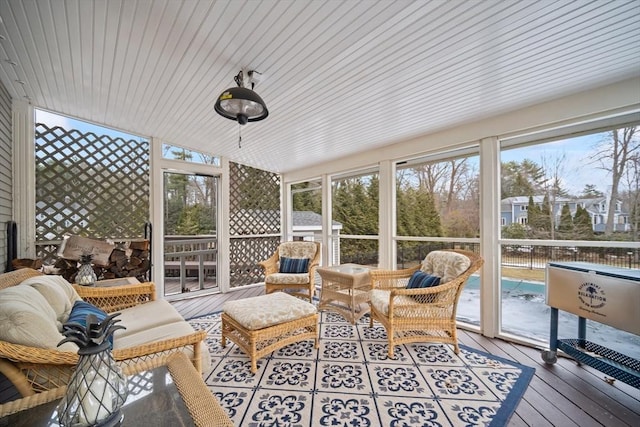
(24, 177)
(331, 242)
(386, 215)
(286, 211)
(156, 198)
(223, 232)
(489, 236)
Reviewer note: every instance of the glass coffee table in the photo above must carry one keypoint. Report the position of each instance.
(345, 290)
(168, 395)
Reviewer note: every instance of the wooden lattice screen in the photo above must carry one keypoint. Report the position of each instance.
(90, 185)
(254, 212)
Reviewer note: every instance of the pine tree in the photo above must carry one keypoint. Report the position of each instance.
(582, 228)
(565, 227)
(533, 217)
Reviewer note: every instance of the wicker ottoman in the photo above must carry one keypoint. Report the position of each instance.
(261, 325)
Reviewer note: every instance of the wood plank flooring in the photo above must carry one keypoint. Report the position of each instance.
(564, 394)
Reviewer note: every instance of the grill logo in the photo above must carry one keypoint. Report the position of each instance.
(592, 295)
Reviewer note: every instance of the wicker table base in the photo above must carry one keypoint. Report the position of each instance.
(260, 342)
(345, 290)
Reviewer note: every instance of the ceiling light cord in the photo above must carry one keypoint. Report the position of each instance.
(239, 136)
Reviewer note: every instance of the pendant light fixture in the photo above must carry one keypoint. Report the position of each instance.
(241, 103)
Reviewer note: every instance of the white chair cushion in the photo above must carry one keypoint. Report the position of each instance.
(287, 278)
(268, 310)
(380, 300)
(447, 265)
(297, 250)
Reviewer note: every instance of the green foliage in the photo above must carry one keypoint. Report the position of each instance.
(514, 231)
(519, 178)
(565, 227)
(194, 220)
(591, 191)
(355, 205)
(582, 228)
(307, 197)
(417, 214)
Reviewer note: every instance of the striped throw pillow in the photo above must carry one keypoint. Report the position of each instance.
(420, 279)
(294, 265)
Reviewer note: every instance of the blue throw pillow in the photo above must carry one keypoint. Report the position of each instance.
(420, 279)
(294, 265)
(80, 311)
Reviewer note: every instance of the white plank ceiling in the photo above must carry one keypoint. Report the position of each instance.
(339, 77)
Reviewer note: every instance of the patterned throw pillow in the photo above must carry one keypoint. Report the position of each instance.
(80, 311)
(294, 265)
(420, 279)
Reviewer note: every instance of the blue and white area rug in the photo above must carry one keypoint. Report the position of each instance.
(349, 381)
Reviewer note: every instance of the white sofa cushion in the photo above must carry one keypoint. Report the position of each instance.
(57, 292)
(146, 316)
(163, 332)
(28, 319)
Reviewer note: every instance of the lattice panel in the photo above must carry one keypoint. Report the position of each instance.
(254, 208)
(254, 205)
(88, 184)
(245, 253)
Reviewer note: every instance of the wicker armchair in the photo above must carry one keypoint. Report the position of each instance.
(33, 370)
(303, 283)
(423, 314)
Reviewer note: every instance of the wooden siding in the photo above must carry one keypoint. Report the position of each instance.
(6, 180)
(564, 394)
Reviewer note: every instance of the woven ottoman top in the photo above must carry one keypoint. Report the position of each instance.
(268, 310)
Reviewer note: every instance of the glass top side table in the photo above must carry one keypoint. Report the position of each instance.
(161, 396)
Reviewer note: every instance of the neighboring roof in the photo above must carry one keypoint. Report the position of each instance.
(310, 219)
(264, 220)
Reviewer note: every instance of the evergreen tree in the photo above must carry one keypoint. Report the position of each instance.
(591, 191)
(565, 227)
(533, 217)
(306, 197)
(403, 210)
(582, 228)
(545, 215)
(520, 178)
(514, 231)
(426, 217)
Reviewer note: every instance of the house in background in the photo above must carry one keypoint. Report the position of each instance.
(307, 225)
(514, 210)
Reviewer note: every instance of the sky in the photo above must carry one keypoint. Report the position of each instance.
(578, 168)
(51, 120)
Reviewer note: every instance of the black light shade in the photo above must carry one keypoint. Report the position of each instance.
(241, 104)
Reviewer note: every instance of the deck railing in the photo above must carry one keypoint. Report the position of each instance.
(186, 256)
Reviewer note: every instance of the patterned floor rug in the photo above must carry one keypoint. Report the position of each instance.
(349, 381)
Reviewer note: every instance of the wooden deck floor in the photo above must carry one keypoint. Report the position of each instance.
(564, 394)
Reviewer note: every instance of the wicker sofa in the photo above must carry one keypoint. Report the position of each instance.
(33, 307)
